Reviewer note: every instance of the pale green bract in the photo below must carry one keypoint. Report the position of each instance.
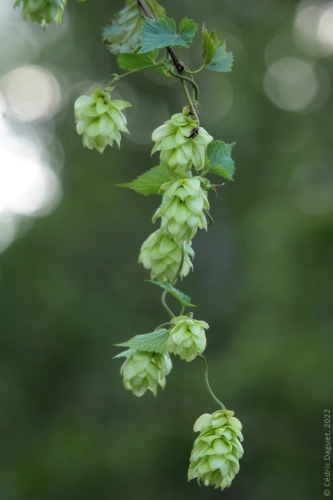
(187, 337)
(99, 119)
(178, 148)
(145, 370)
(163, 256)
(182, 208)
(42, 11)
(216, 452)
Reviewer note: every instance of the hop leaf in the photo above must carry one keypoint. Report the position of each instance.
(219, 160)
(159, 34)
(137, 61)
(163, 256)
(42, 11)
(122, 34)
(216, 452)
(149, 182)
(150, 342)
(99, 119)
(145, 370)
(215, 56)
(181, 142)
(184, 299)
(182, 209)
(187, 337)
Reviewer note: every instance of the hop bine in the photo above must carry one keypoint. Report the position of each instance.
(187, 337)
(99, 119)
(181, 142)
(163, 256)
(216, 452)
(182, 208)
(145, 370)
(42, 11)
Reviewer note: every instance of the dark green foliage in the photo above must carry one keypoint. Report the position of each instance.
(150, 342)
(122, 34)
(219, 160)
(150, 182)
(159, 34)
(215, 56)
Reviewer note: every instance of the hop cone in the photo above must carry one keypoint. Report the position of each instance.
(182, 209)
(163, 256)
(217, 449)
(99, 119)
(42, 11)
(187, 337)
(144, 370)
(178, 147)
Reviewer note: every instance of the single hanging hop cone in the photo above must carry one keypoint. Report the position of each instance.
(145, 370)
(216, 452)
(181, 142)
(182, 208)
(42, 11)
(187, 337)
(163, 256)
(99, 119)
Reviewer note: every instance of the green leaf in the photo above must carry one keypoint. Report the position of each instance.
(215, 56)
(208, 46)
(150, 182)
(219, 159)
(149, 342)
(122, 34)
(159, 34)
(124, 354)
(185, 300)
(136, 61)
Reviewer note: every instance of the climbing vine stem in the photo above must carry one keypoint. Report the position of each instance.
(208, 384)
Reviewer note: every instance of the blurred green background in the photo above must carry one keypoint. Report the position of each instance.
(71, 287)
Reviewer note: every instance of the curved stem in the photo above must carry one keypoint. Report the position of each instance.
(196, 71)
(209, 217)
(164, 304)
(181, 264)
(208, 385)
(160, 326)
(188, 80)
(119, 77)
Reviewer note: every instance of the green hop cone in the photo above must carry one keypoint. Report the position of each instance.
(145, 370)
(182, 208)
(187, 337)
(181, 143)
(99, 119)
(163, 256)
(216, 452)
(42, 11)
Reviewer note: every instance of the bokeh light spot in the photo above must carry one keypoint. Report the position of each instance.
(26, 185)
(290, 84)
(325, 28)
(32, 93)
(313, 29)
(7, 230)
